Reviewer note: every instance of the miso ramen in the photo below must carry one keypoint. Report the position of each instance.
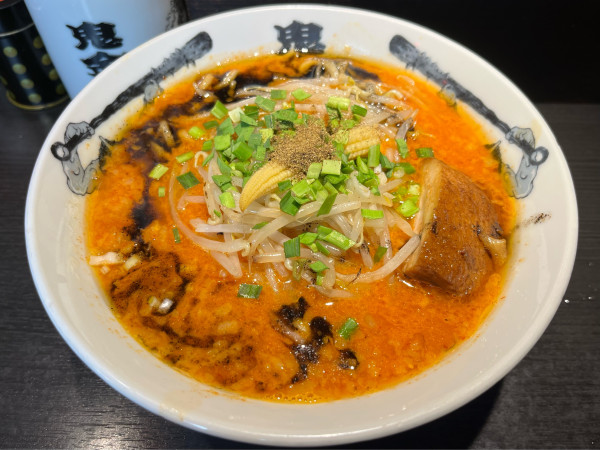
(300, 228)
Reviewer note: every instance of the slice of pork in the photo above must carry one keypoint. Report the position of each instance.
(461, 239)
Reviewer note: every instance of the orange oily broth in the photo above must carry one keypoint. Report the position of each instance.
(230, 342)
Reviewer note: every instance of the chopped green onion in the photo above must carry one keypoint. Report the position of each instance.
(196, 132)
(379, 253)
(319, 280)
(402, 147)
(342, 103)
(301, 188)
(226, 127)
(207, 146)
(223, 167)
(362, 166)
(217, 212)
(249, 290)
(359, 110)
(235, 114)
(348, 328)
(407, 167)
(227, 200)
(158, 171)
(266, 133)
(188, 180)
(300, 94)
(331, 167)
(322, 249)
(372, 213)
(288, 115)
(242, 151)
(409, 208)
(184, 157)
(414, 189)
(336, 238)
(289, 205)
(284, 185)
(314, 170)
(261, 153)
(386, 164)
(210, 124)
(291, 247)
(222, 142)
(176, 235)
(327, 204)
(161, 191)
(265, 103)
(318, 266)
(219, 110)
(308, 238)
(278, 94)
(221, 180)
(424, 152)
(258, 226)
(373, 157)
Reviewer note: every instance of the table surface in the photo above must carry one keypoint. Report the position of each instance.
(49, 398)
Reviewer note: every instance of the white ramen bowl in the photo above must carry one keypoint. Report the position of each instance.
(544, 244)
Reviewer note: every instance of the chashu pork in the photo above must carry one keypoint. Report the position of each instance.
(461, 239)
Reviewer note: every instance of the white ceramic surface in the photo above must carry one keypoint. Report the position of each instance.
(542, 263)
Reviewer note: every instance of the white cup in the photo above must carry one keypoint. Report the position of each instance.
(84, 36)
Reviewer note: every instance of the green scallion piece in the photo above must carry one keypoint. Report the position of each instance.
(359, 110)
(291, 248)
(373, 156)
(258, 226)
(284, 185)
(386, 164)
(402, 147)
(288, 204)
(424, 152)
(222, 142)
(300, 94)
(371, 213)
(348, 328)
(308, 238)
(176, 235)
(217, 212)
(210, 124)
(242, 151)
(321, 248)
(184, 157)
(278, 94)
(219, 110)
(331, 167)
(362, 166)
(409, 208)
(327, 204)
(314, 170)
(379, 253)
(261, 153)
(226, 199)
(265, 103)
(158, 171)
(196, 132)
(207, 146)
(221, 180)
(187, 180)
(319, 280)
(249, 290)
(407, 167)
(318, 266)
(336, 238)
(341, 103)
(161, 191)
(301, 188)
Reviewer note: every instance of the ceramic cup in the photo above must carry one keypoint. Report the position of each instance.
(84, 36)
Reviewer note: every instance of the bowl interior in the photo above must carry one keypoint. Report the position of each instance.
(544, 247)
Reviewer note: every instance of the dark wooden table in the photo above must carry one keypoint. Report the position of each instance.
(49, 398)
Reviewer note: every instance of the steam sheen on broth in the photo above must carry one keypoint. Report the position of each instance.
(251, 227)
